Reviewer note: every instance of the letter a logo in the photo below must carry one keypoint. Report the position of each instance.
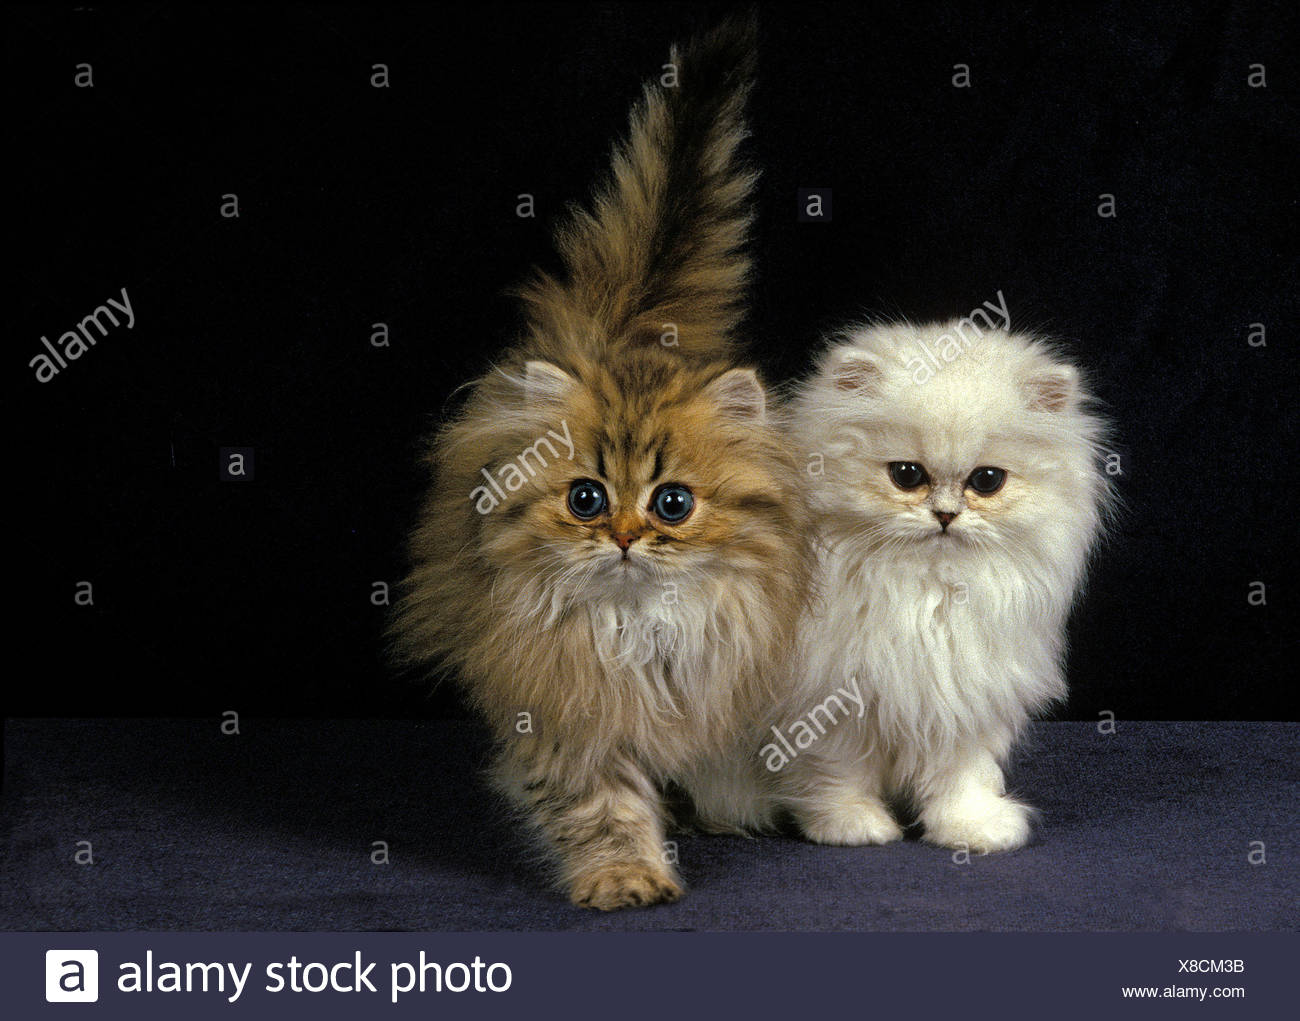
(71, 976)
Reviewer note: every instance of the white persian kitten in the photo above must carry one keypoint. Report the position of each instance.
(957, 483)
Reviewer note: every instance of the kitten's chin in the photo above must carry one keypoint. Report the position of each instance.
(618, 574)
(633, 581)
(939, 541)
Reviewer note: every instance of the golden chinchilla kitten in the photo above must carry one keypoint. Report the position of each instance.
(612, 557)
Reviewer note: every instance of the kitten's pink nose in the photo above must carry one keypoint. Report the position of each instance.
(624, 540)
(945, 518)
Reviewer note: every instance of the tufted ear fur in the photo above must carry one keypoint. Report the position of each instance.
(855, 370)
(1053, 388)
(546, 381)
(739, 394)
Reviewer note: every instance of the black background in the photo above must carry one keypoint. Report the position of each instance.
(361, 205)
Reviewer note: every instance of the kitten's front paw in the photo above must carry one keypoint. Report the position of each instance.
(851, 823)
(980, 825)
(630, 885)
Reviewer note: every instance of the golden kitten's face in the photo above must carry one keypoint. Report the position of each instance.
(668, 478)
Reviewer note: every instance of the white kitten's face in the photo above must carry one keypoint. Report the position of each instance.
(990, 452)
(942, 486)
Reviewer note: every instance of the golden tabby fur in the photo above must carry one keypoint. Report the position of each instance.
(616, 653)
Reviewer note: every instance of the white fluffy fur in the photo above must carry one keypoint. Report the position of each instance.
(954, 638)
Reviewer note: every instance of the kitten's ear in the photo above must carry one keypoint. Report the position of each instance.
(739, 394)
(546, 381)
(856, 370)
(1053, 388)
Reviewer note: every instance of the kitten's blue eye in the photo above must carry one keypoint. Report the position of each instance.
(587, 498)
(987, 481)
(672, 502)
(907, 474)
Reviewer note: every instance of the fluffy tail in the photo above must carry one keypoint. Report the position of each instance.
(660, 253)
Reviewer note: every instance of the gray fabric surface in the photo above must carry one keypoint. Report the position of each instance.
(1149, 828)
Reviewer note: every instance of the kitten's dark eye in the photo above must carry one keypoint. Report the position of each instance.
(907, 474)
(672, 502)
(987, 481)
(586, 498)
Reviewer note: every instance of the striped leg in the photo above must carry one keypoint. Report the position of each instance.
(605, 824)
